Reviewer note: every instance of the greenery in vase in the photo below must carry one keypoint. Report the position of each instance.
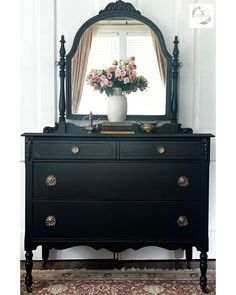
(121, 74)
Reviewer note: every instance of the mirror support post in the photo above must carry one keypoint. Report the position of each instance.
(62, 74)
(174, 98)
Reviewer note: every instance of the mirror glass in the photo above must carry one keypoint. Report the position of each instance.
(104, 44)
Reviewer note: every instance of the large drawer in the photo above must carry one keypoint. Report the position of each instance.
(160, 149)
(74, 149)
(144, 221)
(117, 180)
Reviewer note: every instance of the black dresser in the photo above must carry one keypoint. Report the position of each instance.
(117, 192)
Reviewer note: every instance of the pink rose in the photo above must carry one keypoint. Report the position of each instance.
(112, 69)
(110, 84)
(133, 66)
(105, 82)
(117, 73)
(109, 76)
(132, 77)
(123, 73)
(126, 80)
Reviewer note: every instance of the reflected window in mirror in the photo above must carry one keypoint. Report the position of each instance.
(114, 40)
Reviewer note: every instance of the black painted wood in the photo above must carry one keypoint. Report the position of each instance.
(28, 268)
(149, 150)
(118, 181)
(60, 127)
(189, 256)
(115, 221)
(119, 193)
(45, 254)
(203, 269)
(81, 133)
(64, 149)
(175, 69)
(119, 5)
(62, 65)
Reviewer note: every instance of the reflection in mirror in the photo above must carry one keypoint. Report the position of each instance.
(117, 39)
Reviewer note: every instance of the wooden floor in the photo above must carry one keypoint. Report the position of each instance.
(110, 264)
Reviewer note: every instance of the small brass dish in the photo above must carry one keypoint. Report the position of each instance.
(148, 127)
(90, 128)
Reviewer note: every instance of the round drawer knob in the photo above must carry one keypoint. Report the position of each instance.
(183, 181)
(50, 220)
(51, 180)
(75, 149)
(160, 149)
(182, 221)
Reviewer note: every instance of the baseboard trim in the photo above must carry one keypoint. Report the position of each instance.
(118, 264)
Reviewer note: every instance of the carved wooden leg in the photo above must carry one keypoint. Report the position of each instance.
(45, 254)
(28, 268)
(203, 269)
(114, 259)
(189, 255)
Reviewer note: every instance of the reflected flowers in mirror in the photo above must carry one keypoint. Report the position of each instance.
(122, 74)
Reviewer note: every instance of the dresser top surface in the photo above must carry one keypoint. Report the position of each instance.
(117, 136)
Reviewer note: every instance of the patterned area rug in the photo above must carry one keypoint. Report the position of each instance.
(118, 282)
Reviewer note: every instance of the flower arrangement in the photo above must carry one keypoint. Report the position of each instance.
(121, 74)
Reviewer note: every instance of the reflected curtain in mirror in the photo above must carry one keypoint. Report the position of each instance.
(160, 58)
(79, 67)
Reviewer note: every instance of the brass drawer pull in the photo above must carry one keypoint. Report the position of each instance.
(50, 220)
(161, 149)
(75, 149)
(182, 221)
(51, 180)
(183, 181)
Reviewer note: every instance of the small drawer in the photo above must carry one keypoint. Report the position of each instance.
(151, 221)
(74, 150)
(160, 150)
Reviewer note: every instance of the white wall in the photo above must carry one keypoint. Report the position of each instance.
(43, 21)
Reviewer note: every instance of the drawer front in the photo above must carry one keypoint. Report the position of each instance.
(74, 150)
(160, 150)
(118, 181)
(146, 221)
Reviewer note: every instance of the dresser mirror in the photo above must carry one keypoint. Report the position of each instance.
(118, 32)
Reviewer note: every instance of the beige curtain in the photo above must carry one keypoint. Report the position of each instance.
(160, 58)
(79, 67)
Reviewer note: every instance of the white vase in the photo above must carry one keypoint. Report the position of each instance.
(117, 106)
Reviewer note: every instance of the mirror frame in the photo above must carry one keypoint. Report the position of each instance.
(120, 9)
